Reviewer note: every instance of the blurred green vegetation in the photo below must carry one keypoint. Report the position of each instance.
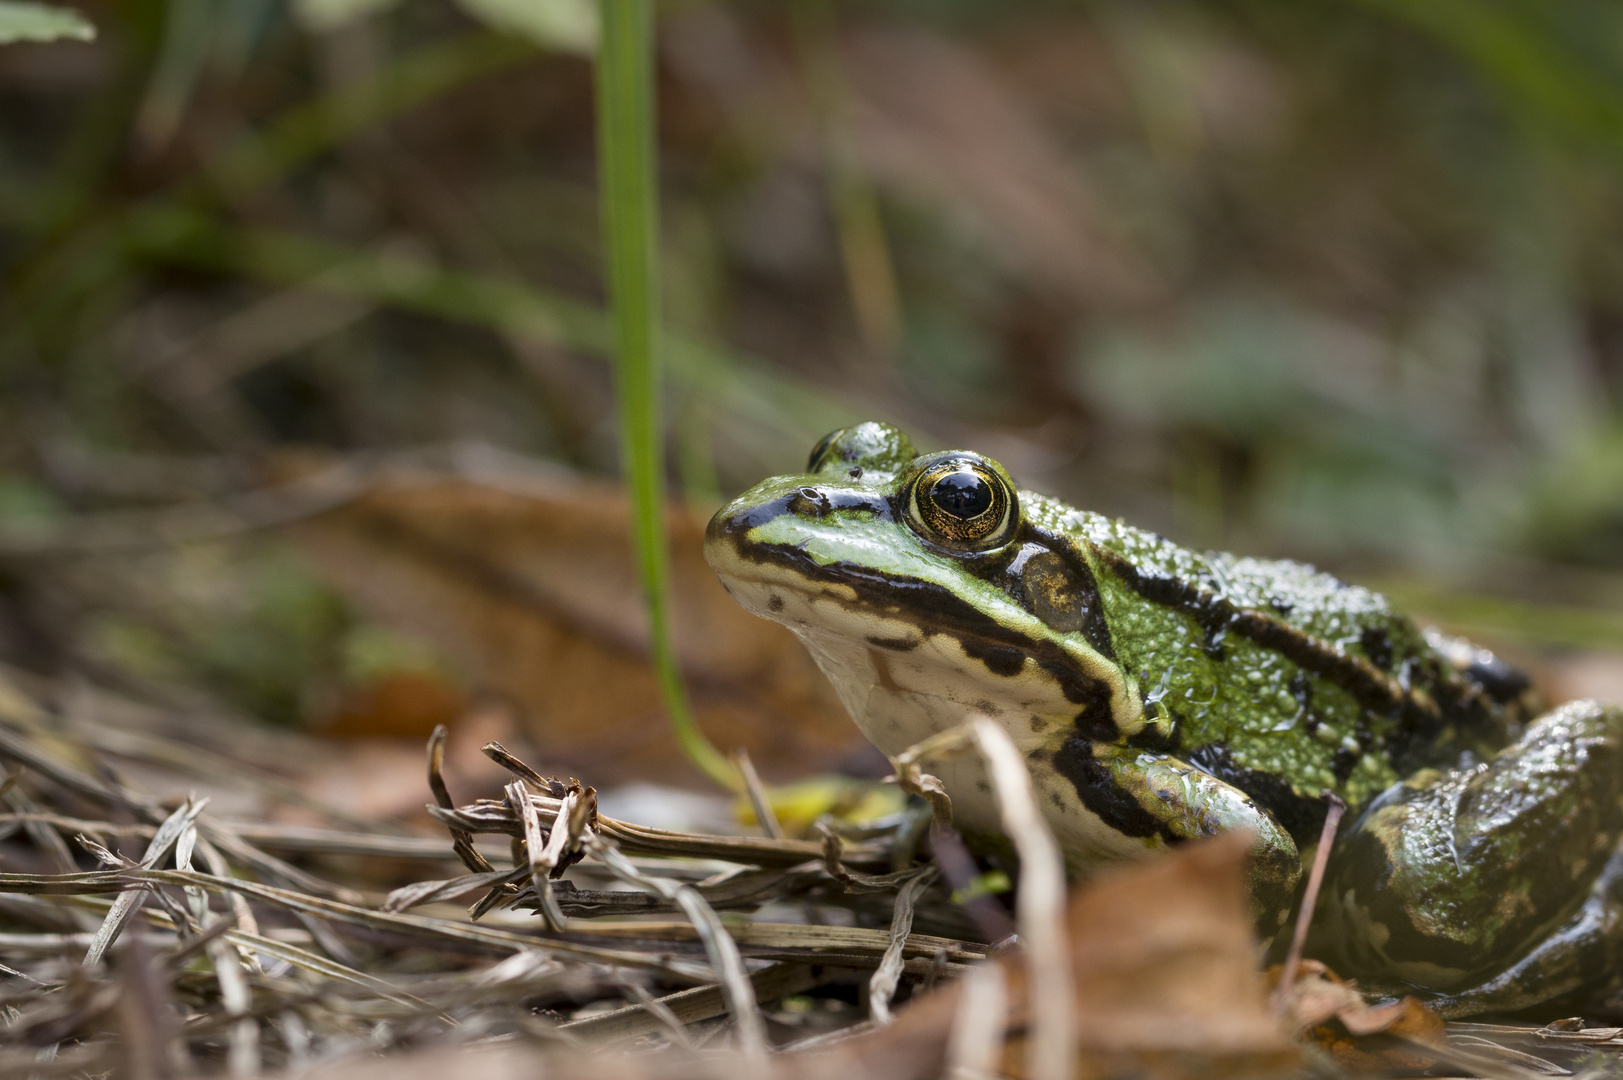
(1340, 279)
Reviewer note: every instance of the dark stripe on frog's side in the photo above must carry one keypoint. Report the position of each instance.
(1372, 688)
(932, 608)
(935, 610)
(1499, 679)
(1105, 799)
(1297, 814)
(1377, 645)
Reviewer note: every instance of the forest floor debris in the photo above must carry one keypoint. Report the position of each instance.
(148, 934)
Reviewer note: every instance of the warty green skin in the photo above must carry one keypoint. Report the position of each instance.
(1161, 694)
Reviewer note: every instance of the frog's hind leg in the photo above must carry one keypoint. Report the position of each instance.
(1581, 955)
(1451, 883)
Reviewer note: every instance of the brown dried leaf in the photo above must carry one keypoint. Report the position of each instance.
(1167, 989)
(396, 704)
(1166, 982)
(523, 576)
(1361, 1035)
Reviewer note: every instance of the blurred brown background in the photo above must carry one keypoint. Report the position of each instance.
(306, 414)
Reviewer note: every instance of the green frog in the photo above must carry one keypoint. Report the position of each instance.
(1161, 694)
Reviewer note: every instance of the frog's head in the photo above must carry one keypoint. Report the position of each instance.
(922, 588)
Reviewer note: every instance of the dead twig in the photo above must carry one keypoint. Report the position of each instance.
(1310, 898)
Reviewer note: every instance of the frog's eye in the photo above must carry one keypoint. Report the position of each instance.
(877, 450)
(820, 451)
(962, 503)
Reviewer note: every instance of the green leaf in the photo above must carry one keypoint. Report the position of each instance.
(570, 25)
(40, 22)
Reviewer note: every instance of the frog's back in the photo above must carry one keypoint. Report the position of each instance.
(1278, 678)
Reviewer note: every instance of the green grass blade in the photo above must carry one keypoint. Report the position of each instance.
(627, 185)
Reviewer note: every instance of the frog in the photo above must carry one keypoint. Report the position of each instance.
(1160, 695)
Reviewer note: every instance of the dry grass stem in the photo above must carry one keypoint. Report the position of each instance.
(1041, 898)
(882, 984)
(1310, 898)
(272, 942)
(760, 802)
(276, 944)
(976, 1045)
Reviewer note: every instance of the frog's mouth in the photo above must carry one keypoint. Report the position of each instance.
(895, 612)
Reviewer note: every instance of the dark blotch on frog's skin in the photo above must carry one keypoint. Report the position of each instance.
(774, 602)
(1300, 816)
(1302, 690)
(1499, 680)
(1005, 660)
(1097, 725)
(1109, 801)
(1377, 646)
(1155, 738)
(1422, 715)
(894, 644)
(932, 608)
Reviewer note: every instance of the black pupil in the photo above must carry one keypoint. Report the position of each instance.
(962, 495)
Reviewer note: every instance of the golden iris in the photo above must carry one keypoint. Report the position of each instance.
(961, 503)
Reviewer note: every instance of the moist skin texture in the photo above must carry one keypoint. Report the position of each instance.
(1161, 694)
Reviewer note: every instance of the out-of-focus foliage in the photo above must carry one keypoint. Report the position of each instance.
(1341, 279)
(20, 21)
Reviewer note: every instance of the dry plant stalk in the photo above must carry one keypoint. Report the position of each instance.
(146, 935)
(303, 959)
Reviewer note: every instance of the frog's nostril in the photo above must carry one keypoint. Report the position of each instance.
(809, 502)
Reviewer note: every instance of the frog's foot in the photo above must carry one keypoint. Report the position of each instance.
(1456, 883)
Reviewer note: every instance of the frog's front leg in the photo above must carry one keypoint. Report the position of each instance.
(1162, 798)
(1485, 885)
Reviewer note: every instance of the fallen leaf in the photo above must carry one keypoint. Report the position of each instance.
(1166, 977)
(1166, 980)
(377, 777)
(400, 704)
(521, 574)
(1360, 1035)
(1166, 989)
